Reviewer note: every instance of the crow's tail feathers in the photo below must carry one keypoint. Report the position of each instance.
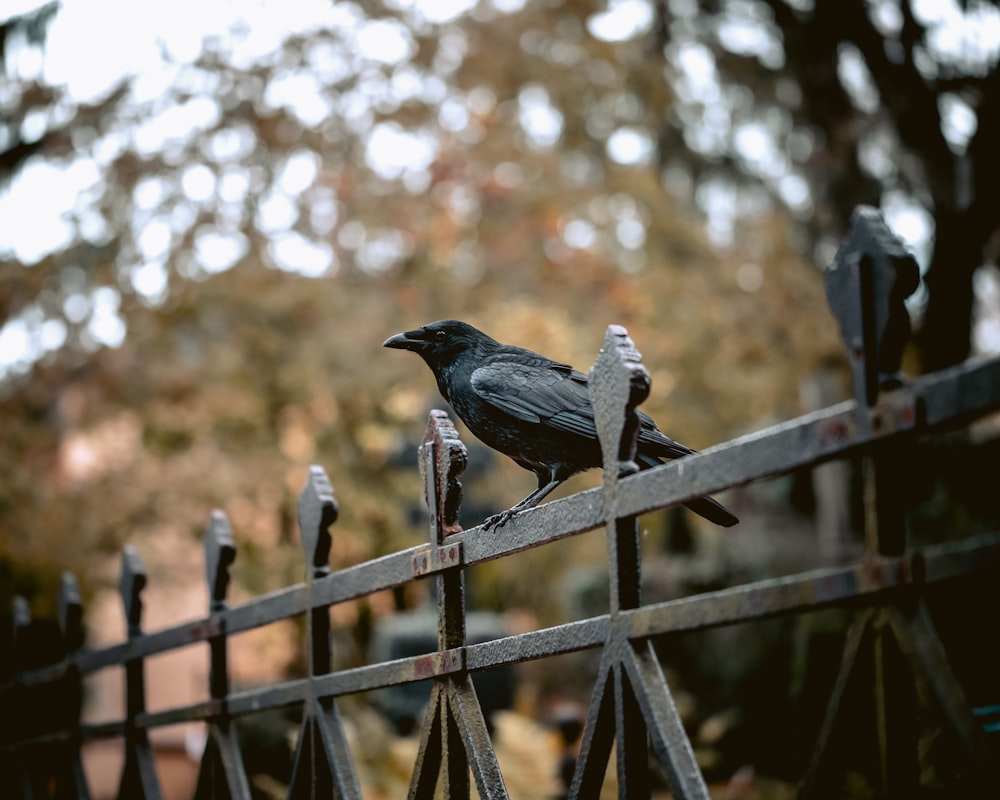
(706, 507)
(713, 511)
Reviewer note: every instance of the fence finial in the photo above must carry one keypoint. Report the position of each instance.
(130, 585)
(220, 552)
(444, 496)
(70, 612)
(317, 512)
(20, 620)
(618, 384)
(21, 614)
(870, 276)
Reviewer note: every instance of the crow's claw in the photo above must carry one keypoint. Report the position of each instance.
(499, 520)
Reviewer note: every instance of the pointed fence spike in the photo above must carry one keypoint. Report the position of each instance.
(317, 512)
(21, 614)
(220, 552)
(20, 620)
(870, 276)
(130, 585)
(450, 457)
(71, 780)
(138, 778)
(618, 384)
(442, 460)
(70, 612)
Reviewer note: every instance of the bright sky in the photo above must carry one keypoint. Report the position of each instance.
(46, 206)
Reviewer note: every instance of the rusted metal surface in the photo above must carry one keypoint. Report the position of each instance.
(946, 398)
(139, 774)
(632, 712)
(457, 725)
(871, 581)
(866, 283)
(222, 773)
(322, 766)
(666, 731)
(618, 384)
(863, 584)
(471, 726)
(598, 735)
(919, 642)
(866, 287)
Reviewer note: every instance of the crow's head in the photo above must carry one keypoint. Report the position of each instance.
(438, 343)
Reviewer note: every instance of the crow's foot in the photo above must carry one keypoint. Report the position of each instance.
(499, 520)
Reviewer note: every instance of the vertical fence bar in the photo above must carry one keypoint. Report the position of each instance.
(870, 278)
(220, 552)
(20, 621)
(814, 781)
(70, 780)
(867, 282)
(456, 723)
(427, 765)
(598, 736)
(919, 642)
(618, 384)
(323, 766)
(442, 460)
(22, 768)
(311, 776)
(475, 737)
(139, 774)
(222, 774)
(631, 745)
(642, 705)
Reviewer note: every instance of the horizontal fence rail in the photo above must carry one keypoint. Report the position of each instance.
(806, 440)
(973, 389)
(868, 582)
(632, 711)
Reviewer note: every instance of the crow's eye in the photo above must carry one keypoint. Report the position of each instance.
(440, 335)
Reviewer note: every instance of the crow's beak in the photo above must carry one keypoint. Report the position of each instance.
(410, 340)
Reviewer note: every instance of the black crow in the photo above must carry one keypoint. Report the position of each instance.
(531, 408)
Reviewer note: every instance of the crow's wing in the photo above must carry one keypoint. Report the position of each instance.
(537, 390)
(653, 442)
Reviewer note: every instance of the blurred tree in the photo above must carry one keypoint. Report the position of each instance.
(206, 248)
(895, 103)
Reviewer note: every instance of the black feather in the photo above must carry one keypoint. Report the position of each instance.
(531, 408)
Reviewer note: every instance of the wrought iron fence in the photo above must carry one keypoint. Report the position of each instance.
(632, 711)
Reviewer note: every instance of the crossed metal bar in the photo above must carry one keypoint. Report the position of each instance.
(631, 710)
